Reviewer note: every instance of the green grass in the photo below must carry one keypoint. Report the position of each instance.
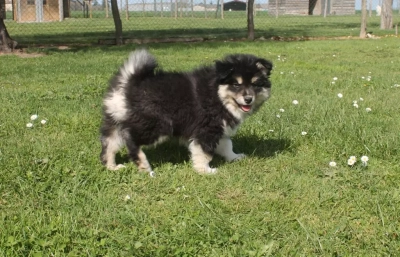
(81, 30)
(56, 199)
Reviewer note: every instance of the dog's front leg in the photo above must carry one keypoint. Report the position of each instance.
(201, 159)
(225, 149)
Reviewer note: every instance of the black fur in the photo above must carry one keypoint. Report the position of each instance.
(176, 104)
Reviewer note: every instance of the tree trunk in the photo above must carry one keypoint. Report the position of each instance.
(370, 8)
(66, 9)
(126, 10)
(117, 22)
(363, 30)
(311, 6)
(216, 12)
(6, 42)
(176, 9)
(250, 20)
(222, 9)
(386, 16)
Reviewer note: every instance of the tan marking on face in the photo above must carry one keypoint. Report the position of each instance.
(239, 80)
(254, 79)
(228, 100)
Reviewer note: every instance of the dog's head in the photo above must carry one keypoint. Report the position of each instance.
(243, 83)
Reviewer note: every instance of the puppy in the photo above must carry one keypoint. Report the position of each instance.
(204, 107)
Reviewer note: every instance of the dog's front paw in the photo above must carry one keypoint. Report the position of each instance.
(211, 171)
(207, 170)
(239, 157)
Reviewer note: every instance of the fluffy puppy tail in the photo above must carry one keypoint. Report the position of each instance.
(140, 64)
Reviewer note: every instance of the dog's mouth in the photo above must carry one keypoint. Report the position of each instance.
(245, 108)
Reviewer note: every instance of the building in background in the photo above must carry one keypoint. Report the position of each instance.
(38, 10)
(235, 5)
(8, 5)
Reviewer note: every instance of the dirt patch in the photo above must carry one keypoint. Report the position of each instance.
(23, 54)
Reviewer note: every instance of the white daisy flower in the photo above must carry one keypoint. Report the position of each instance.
(364, 158)
(361, 99)
(362, 77)
(332, 164)
(295, 102)
(282, 110)
(333, 82)
(278, 116)
(354, 102)
(335, 78)
(368, 79)
(355, 105)
(43, 121)
(271, 130)
(303, 133)
(340, 95)
(34, 117)
(29, 125)
(351, 162)
(127, 198)
(368, 109)
(281, 72)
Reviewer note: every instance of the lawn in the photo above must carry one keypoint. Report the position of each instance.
(284, 199)
(233, 26)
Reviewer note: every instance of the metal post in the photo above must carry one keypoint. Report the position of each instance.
(60, 10)
(39, 10)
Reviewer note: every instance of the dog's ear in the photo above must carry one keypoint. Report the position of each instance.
(265, 66)
(223, 70)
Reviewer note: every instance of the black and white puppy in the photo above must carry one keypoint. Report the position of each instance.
(204, 107)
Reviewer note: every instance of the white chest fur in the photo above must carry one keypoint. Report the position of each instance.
(228, 130)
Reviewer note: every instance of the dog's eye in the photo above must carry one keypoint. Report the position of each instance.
(235, 85)
(258, 83)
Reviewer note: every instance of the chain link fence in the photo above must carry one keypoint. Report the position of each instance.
(91, 21)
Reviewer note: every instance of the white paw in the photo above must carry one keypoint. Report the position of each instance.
(239, 157)
(119, 166)
(207, 170)
(211, 171)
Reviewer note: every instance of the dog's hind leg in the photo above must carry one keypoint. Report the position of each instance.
(138, 156)
(201, 159)
(225, 149)
(111, 143)
(143, 163)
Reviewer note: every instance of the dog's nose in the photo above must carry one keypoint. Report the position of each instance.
(248, 99)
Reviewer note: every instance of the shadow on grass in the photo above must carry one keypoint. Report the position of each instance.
(174, 153)
(76, 37)
(93, 37)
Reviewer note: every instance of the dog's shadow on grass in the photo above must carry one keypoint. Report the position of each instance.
(174, 153)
